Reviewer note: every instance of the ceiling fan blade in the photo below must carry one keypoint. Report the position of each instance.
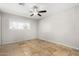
(42, 11)
(39, 14)
(31, 14)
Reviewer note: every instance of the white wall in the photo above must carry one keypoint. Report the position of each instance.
(62, 27)
(10, 36)
(0, 27)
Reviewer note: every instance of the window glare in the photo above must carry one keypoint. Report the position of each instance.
(18, 25)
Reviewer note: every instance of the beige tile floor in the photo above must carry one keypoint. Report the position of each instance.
(37, 47)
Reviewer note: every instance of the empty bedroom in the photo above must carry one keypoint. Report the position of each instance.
(39, 29)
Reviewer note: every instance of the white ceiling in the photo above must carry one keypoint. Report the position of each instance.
(52, 8)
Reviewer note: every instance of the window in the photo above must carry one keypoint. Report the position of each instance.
(14, 25)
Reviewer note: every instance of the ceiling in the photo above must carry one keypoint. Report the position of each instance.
(52, 8)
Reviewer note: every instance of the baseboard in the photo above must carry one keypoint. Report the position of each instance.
(5, 43)
(60, 43)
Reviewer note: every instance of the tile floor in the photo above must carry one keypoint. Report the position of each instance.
(36, 47)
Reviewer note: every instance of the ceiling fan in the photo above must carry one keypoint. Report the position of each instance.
(35, 10)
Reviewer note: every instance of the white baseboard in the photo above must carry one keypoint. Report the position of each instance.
(11, 42)
(60, 43)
